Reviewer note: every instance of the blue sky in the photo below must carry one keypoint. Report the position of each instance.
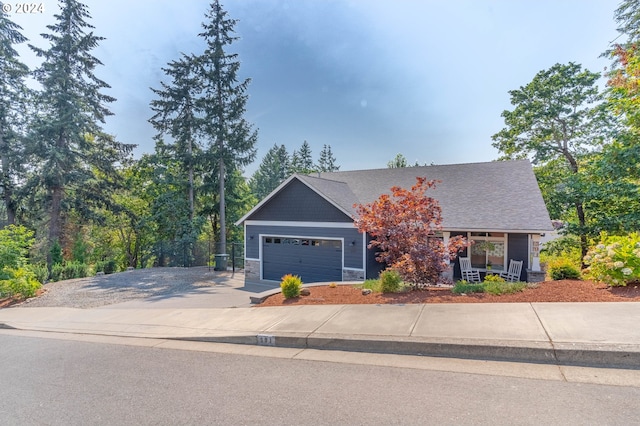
(371, 78)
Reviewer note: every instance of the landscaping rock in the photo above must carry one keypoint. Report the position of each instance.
(366, 291)
(305, 292)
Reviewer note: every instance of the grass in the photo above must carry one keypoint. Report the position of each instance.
(491, 287)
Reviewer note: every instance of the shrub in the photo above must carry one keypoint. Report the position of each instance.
(18, 282)
(69, 270)
(492, 278)
(566, 247)
(502, 287)
(390, 281)
(465, 287)
(562, 269)
(615, 260)
(106, 266)
(41, 272)
(291, 286)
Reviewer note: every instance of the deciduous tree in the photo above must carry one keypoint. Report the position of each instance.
(403, 226)
(558, 118)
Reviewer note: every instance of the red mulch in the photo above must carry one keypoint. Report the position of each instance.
(548, 291)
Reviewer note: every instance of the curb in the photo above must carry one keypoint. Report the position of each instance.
(584, 355)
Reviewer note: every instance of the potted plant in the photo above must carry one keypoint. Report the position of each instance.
(488, 265)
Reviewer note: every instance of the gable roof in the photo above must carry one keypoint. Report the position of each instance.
(492, 196)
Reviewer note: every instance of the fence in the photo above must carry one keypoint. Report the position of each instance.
(200, 253)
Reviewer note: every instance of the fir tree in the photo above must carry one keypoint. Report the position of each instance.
(13, 98)
(302, 160)
(230, 139)
(327, 162)
(176, 114)
(273, 170)
(68, 142)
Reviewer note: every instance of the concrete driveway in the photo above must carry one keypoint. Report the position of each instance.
(226, 290)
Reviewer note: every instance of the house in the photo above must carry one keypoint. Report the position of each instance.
(305, 226)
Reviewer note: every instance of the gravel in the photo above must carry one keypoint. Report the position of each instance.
(93, 292)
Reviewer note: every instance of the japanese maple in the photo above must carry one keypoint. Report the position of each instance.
(403, 227)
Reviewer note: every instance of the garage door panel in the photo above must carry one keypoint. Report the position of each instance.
(312, 259)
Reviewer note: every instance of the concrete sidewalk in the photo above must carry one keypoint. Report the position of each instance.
(590, 334)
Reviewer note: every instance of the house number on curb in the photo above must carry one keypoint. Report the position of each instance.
(266, 340)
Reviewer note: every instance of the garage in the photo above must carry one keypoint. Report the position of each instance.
(313, 259)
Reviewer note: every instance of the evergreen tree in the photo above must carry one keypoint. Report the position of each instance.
(327, 162)
(273, 170)
(302, 160)
(230, 138)
(75, 158)
(13, 97)
(176, 115)
(398, 162)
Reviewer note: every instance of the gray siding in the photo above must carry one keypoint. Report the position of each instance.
(352, 253)
(373, 266)
(297, 203)
(518, 249)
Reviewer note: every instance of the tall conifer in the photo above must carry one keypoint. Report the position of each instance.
(68, 141)
(230, 139)
(13, 111)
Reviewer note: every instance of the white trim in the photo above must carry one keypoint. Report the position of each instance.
(504, 240)
(261, 236)
(352, 269)
(343, 225)
(250, 258)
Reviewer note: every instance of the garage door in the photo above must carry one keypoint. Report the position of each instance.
(313, 260)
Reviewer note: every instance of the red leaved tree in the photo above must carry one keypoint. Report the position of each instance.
(403, 227)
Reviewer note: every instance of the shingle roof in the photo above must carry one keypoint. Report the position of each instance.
(493, 196)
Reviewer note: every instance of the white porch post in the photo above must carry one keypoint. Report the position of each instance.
(448, 274)
(535, 252)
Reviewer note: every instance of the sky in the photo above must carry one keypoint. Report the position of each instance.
(371, 78)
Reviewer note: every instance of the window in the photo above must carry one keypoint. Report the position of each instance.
(489, 250)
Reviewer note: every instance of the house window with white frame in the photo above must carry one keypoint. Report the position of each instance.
(488, 251)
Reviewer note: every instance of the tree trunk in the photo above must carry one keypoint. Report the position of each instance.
(7, 190)
(583, 236)
(55, 221)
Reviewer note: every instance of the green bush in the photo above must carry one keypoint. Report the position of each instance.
(41, 272)
(502, 287)
(18, 282)
(390, 281)
(69, 270)
(559, 269)
(291, 286)
(106, 266)
(615, 260)
(465, 287)
(373, 285)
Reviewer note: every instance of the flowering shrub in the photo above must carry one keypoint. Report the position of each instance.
(491, 278)
(615, 260)
(291, 286)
